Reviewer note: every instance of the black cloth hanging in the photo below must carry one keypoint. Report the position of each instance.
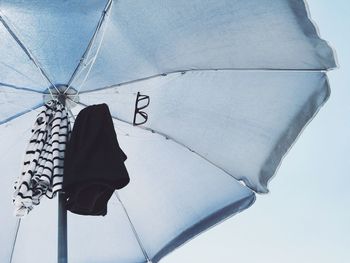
(94, 162)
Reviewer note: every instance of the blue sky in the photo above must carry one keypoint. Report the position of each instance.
(306, 216)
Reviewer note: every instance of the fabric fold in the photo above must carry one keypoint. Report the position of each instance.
(42, 172)
(94, 163)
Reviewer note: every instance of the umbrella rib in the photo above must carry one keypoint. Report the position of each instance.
(88, 49)
(21, 113)
(20, 73)
(26, 51)
(202, 69)
(15, 239)
(7, 85)
(133, 228)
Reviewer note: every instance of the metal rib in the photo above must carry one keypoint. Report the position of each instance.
(7, 85)
(26, 50)
(15, 239)
(20, 113)
(92, 40)
(133, 229)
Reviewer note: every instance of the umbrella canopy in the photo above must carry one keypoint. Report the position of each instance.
(231, 85)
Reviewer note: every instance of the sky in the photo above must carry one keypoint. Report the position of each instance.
(305, 217)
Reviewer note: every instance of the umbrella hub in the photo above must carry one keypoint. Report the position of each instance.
(69, 97)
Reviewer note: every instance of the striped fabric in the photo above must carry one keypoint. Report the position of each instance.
(42, 172)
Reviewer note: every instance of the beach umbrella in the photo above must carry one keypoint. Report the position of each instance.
(207, 97)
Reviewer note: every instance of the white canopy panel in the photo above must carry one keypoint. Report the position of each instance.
(242, 122)
(56, 32)
(147, 37)
(16, 69)
(15, 102)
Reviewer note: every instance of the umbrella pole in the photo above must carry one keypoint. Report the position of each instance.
(62, 230)
(62, 212)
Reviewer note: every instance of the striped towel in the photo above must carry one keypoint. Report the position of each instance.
(42, 172)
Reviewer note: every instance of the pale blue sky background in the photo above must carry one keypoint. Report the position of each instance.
(306, 216)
